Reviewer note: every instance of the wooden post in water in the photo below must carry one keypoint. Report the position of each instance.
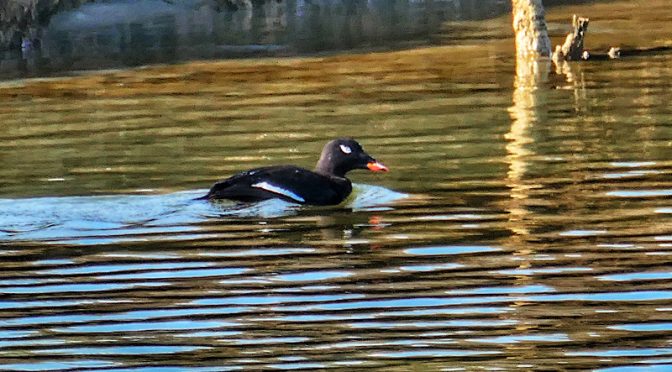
(533, 62)
(533, 46)
(529, 24)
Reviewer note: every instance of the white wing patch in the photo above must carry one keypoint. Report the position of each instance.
(345, 149)
(278, 190)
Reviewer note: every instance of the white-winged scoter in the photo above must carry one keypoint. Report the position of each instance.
(327, 185)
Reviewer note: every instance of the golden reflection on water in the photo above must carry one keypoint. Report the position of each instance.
(250, 110)
(537, 235)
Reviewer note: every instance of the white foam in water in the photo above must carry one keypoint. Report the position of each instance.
(362, 198)
(372, 198)
(107, 218)
(115, 218)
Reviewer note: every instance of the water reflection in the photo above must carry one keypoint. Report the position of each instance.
(132, 33)
(534, 228)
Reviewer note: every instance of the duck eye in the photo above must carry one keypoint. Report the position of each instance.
(345, 149)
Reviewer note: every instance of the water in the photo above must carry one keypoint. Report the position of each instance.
(516, 230)
(123, 33)
(103, 219)
(112, 34)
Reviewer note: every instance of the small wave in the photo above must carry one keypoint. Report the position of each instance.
(174, 216)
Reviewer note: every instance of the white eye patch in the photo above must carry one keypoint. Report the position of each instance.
(345, 149)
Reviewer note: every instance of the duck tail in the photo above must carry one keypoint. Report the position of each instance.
(204, 197)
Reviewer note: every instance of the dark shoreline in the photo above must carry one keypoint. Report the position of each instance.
(22, 21)
(41, 38)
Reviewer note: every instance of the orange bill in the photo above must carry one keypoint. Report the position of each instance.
(377, 167)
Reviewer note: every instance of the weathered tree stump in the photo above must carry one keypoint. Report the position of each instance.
(529, 25)
(572, 49)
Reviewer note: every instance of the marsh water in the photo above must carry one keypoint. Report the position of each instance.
(517, 228)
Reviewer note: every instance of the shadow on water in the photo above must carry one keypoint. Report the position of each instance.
(175, 216)
(121, 33)
(130, 33)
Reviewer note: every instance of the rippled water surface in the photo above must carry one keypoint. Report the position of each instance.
(517, 229)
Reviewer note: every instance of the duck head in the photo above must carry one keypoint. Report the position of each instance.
(343, 155)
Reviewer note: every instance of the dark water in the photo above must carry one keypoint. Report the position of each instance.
(122, 33)
(118, 33)
(517, 229)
